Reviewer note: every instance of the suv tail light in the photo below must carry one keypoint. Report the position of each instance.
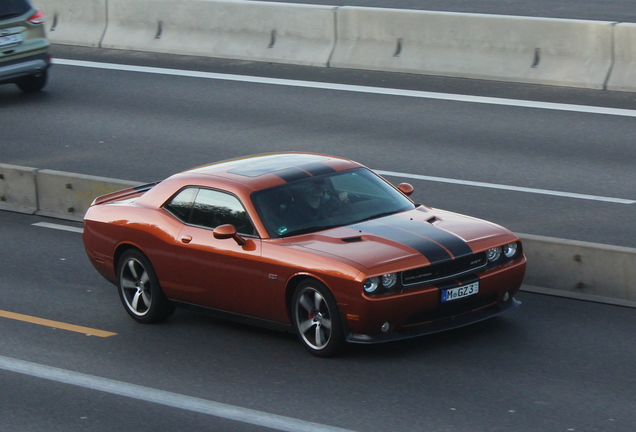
(37, 18)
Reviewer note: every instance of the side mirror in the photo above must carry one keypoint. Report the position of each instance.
(227, 231)
(406, 188)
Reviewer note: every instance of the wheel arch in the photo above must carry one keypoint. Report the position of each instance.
(120, 250)
(292, 284)
(296, 280)
(335, 333)
(155, 306)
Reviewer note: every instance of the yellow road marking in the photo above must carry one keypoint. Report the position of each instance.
(56, 324)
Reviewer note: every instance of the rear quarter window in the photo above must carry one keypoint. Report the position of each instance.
(13, 8)
(181, 204)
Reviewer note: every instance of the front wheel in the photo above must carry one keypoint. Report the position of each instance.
(316, 319)
(139, 289)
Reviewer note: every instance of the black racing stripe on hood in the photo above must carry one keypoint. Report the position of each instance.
(431, 250)
(457, 247)
(434, 243)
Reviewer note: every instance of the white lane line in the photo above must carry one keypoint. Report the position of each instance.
(578, 296)
(505, 187)
(59, 227)
(354, 88)
(174, 400)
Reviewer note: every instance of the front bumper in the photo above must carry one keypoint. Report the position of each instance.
(437, 326)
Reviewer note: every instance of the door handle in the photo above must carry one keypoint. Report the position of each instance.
(186, 239)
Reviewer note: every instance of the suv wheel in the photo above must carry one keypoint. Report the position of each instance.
(32, 83)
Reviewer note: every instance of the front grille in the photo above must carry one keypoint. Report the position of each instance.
(448, 269)
(451, 310)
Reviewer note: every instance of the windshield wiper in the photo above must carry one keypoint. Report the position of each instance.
(328, 226)
(377, 216)
(309, 230)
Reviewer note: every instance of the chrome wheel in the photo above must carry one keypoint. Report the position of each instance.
(135, 287)
(316, 319)
(139, 289)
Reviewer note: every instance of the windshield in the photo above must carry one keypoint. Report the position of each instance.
(327, 201)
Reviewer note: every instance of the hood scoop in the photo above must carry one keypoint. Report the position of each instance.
(352, 239)
(433, 219)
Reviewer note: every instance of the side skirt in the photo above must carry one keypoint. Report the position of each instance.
(230, 316)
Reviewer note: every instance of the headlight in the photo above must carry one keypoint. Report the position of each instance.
(389, 280)
(510, 250)
(493, 254)
(371, 284)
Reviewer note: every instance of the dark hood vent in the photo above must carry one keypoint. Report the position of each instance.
(352, 239)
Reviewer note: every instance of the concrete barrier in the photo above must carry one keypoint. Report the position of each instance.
(17, 189)
(623, 76)
(259, 31)
(590, 270)
(505, 48)
(67, 195)
(581, 267)
(546, 51)
(74, 22)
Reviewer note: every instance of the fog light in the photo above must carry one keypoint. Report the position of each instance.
(506, 296)
(386, 327)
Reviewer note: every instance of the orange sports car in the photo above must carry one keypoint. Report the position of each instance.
(309, 243)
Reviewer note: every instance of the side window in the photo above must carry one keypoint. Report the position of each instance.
(181, 204)
(214, 208)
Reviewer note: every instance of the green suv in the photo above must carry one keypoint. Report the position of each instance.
(24, 58)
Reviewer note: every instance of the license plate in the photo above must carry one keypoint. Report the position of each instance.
(460, 292)
(10, 39)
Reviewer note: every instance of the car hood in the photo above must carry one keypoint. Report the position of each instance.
(413, 238)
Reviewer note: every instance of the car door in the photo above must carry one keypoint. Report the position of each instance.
(216, 273)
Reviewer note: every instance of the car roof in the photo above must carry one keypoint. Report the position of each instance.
(267, 170)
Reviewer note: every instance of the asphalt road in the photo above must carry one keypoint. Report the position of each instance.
(145, 126)
(607, 10)
(552, 365)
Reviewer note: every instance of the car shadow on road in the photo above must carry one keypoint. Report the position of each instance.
(487, 334)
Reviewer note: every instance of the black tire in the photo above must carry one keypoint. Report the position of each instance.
(317, 320)
(32, 83)
(139, 289)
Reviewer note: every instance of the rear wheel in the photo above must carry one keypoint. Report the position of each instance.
(139, 289)
(32, 83)
(316, 319)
